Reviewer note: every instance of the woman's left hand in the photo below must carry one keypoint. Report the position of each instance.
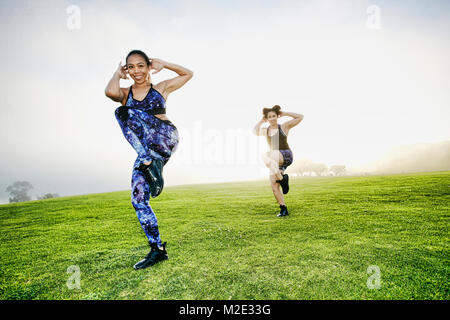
(157, 65)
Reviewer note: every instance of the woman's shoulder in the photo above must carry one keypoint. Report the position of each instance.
(264, 131)
(160, 86)
(125, 92)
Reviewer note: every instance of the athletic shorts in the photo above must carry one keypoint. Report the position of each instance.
(288, 157)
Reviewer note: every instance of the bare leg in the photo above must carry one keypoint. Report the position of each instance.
(276, 190)
(272, 161)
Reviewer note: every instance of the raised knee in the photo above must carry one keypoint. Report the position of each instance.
(121, 113)
(119, 110)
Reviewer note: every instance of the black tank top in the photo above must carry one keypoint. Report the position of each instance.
(282, 140)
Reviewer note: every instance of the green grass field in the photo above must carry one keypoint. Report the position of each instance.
(225, 242)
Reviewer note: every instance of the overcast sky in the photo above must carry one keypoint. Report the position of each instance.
(366, 75)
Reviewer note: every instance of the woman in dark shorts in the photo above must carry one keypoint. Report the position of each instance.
(280, 155)
(144, 124)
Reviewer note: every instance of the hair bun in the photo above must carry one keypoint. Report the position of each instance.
(276, 108)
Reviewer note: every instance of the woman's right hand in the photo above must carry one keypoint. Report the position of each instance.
(122, 71)
(263, 119)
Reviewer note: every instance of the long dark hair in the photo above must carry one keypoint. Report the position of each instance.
(275, 108)
(141, 53)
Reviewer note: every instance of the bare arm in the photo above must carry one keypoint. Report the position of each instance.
(257, 129)
(288, 125)
(113, 90)
(170, 85)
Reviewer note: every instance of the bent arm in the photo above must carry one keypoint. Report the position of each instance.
(257, 129)
(297, 118)
(184, 75)
(113, 90)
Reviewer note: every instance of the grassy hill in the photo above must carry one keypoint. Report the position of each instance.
(225, 242)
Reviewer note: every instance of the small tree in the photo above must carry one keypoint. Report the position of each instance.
(318, 168)
(48, 196)
(19, 191)
(338, 169)
(300, 166)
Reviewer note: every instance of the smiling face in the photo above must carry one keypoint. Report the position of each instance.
(137, 68)
(272, 117)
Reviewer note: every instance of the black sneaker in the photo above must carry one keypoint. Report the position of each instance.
(156, 169)
(155, 255)
(284, 183)
(283, 212)
(153, 174)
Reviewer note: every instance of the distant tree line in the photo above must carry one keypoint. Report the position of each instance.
(307, 167)
(20, 191)
(48, 196)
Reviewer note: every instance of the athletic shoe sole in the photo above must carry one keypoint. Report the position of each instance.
(156, 168)
(286, 189)
(150, 265)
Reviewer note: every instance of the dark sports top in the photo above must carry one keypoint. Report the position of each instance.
(153, 102)
(282, 139)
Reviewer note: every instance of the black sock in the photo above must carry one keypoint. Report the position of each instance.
(282, 206)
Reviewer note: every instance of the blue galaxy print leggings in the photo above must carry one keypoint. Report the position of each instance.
(152, 138)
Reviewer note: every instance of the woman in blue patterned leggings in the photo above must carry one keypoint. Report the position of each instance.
(144, 124)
